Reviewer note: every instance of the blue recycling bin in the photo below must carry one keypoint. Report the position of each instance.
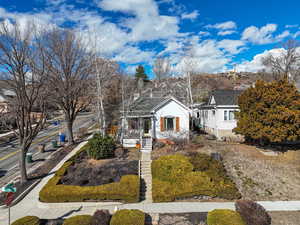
(62, 137)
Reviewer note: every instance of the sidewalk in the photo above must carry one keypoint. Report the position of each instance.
(30, 205)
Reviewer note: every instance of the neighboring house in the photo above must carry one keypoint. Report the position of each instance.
(217, 117)
(5, 96)
(156, 118)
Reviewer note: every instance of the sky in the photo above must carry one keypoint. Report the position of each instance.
(224, 34)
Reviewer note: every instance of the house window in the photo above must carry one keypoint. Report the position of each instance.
(198, 114)
(214, 112)
(169, 123)
(231, 115)
(225, 115)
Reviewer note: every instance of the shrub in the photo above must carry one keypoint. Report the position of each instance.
(179, 176)
(27, 220)
(76, 220)
(101, 217)
(252, 213)
(162, 191)
(224, 217)
(128, 217)
(171, 167)
(101, 147)
(128, 189)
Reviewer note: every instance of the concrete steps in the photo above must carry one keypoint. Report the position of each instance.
(146, 177)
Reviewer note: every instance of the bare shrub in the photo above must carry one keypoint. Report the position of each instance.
(252, 213)
(101, 217)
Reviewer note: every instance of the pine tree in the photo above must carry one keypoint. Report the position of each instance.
(270, 113)
(140, 73)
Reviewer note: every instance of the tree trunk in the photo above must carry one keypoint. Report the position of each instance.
(69, 126)
(22, 164)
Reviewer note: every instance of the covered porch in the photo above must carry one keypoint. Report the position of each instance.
(137, 130)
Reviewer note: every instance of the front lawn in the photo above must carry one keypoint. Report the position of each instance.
(179, 176)
(84, 178)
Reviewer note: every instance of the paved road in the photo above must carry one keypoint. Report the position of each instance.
(9, 152)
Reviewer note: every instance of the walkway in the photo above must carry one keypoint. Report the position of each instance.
(30, 205)
(146, 175)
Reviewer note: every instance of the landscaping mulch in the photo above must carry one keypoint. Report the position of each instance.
(40, 172)
(87, 172)
(196, 218)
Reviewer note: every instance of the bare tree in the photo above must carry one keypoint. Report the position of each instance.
(23, 63)
(69, 68)
(287, 64)
(106, 71)
(189, 68)
(161, 68)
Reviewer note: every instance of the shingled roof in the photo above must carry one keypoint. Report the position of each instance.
(226, 97)
(144, 106)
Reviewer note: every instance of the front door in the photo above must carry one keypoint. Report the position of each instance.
(147, 126)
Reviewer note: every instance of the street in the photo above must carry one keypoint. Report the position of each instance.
(9, 152)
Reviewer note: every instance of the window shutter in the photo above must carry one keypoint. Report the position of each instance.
(177, 124)
(162, 124)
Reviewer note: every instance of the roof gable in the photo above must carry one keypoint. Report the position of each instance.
(162, 104)
(226, 97)
(146, 105)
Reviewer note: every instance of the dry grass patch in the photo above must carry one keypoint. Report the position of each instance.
(285, 218)
(257, 176)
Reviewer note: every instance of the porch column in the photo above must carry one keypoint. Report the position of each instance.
(153, 127)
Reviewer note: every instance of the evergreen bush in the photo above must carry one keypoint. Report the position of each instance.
(80, 219)
(128, 217)
(101, 147)
(27, 220)
(224, 217)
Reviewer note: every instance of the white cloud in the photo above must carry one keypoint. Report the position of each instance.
(256, 63)
(296, 34)
(226, 32)
(191, 16)
(229, 25)
(292, 26)
(147, 24)
(203, 33)
(207, 57)
(263, 35)
(232, 46)
(131, 55)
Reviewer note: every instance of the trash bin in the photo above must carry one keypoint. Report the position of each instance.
(54, 143)
(62, 137)
(29, 158)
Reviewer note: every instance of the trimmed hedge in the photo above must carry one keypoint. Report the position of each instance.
(224, 217)
(128, 217)
(27, 220)
(80, 219)
(128, 189)
(179, 176)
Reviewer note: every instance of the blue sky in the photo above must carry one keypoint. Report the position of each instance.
(224, 34)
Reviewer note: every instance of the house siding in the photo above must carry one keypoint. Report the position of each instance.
(215, 123)
(172, 109)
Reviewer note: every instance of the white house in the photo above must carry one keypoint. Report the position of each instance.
(155, 118)
(217, 117)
